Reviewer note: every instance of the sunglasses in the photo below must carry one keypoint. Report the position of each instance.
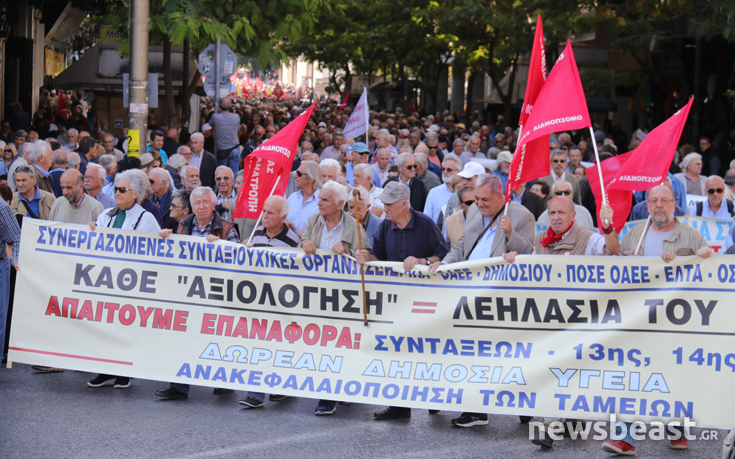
(361, 153)
(715, 190)
(432, 148)
(220, 179)
(563, 193)
(172, 206)
(559, 161)
(468, 203)
(299, 174)
(8, 150)
(448, 169)
(412, 166)
(122, 189)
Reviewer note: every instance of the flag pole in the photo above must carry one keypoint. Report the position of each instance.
(599, 168)
(520, 133)
(356, 196)
(278, 179)
(645, 228)
(367, 117)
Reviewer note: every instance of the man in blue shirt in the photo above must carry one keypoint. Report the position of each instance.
(407, 236)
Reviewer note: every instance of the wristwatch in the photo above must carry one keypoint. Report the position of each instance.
(428, 262)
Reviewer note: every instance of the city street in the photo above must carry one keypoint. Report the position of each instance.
(57, 415)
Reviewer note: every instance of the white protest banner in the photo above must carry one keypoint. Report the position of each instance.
(358, 122)
(573, 337)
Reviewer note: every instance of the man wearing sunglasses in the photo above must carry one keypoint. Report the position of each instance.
(359, 156)
(563, 189)
(559, 163)
(407, 175)
(439, 196)
(715, 206)
(226, 195)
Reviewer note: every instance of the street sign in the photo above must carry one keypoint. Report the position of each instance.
(227, 67)
(225, 89)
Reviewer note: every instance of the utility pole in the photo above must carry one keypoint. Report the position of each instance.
(138, 111)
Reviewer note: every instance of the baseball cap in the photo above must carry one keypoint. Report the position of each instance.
(460, 125)
(206, 127)
(359, 147)
(393, 192)
(505, 156)
(472, 169)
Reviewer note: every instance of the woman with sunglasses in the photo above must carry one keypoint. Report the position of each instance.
(7, 156)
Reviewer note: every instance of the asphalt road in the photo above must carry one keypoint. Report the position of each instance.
(56, 415)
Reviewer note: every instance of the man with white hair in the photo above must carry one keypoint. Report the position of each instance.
(383, 142)
(473, 150)
(72, 140)
(108, 143)
(73, 160)
(381, 167)
(226, 194)
(94, 177)
(331, 170)
(439, 196)
(190, 178)
(359, 156)
(407, 175)
(582, 218)
(430, 179)
(29, 200)
(303, 202)
(502, 167)
(692, 179)
(161, 192)
(202, 159)
(332, 229)
(20, 159)
(559, 163)
(364, 178)
(109, 164)
(716, 206)
(362, 212)
(42, 158)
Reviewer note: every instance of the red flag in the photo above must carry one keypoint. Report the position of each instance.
(620, 200)
(278, 92)
(344, 102)
(652, 158)
(560, 105)
(536, 73)
(271, 160)
(531, 160)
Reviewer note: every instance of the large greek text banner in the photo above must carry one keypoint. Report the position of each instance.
(577, 337)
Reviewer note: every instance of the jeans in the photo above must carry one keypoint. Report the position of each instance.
(260, 396)
(4, 297)
(629, 439)
(232, 161)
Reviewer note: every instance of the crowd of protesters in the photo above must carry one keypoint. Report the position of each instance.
(440, 177)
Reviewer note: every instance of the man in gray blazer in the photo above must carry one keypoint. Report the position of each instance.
(489, 233)
(559, 162)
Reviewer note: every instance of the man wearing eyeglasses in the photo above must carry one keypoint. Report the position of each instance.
(226, 195)
(439, 196)
(563, 189)
(407, 175)
(715, 206)
(559, 163)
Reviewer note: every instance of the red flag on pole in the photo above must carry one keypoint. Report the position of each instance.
(521, 169)
(268, 167)
(619, 200)
(278, 92)
(560, 105)
(652, 158)
(344, 102)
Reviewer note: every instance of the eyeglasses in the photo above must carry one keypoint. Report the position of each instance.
(220, 179)
(172, 206)
(432, 148)
(663, 201)
(448, 169)
(300, 174)
(8, 150)
(373, 139)
(412, 166)
(122, 189)
(468, 203)
(557, 161)
(563, 193)
(715, 190)
(361, 153)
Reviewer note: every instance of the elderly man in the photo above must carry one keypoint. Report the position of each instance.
(381, 166)
(454, 225)
(20, 159)
(407, 175)
(73, 161)
(359, 156)
(303, 203)
(206, 223)
(74, 206)
(665, 237)
(558, 164)
(364, 177)
(202, 159)
(108, 143)
(225, 124)
(383, 142)
(161, 192)
(469, 174)
(72, 140)
(503, 167)
(332, 151)
(473, 150)
(430, 179)
(226, 194)
(332, 229)
(439, 196)
(94, 177)
(530, 200)
(42, 158)
(715, 206)
(482, 239)
(190, 178)
(458, 146)
(575, 158)
(58, 168)
(362, 211)
(273, 232)
(29, 200)
(332, 170)
(563, 188)
(406, 236)
(109, 164)
(693, 181)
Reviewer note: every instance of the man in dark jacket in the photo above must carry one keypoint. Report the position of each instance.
(407, 175)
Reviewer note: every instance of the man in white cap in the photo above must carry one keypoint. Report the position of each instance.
(503, 167)
(208, 137)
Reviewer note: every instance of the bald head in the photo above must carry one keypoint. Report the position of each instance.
(561, 214)
(72, 184)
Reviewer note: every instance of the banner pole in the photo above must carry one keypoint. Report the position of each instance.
(599, 168)
(278, 179)
(645, 228)
(367, 117)
(520, 133)
(356, 196)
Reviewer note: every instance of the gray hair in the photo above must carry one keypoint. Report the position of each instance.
(178, 150)
(365, 170)
(107, 161)
(431, 136)
(200, 190)
(458, 139)
(183, 195)
(455, 158)
(329, 162)
(553, 187)
(73, 159)
(384, 134)
(493, 181)
(401, 160)
(161, 173)
(219, 168)
(557, 152)
(684, 162)
(422, 159)
(60, 156)
(138, 182)
(313, 173)
(364, 195)
(101, 174)
(39, 149)
(309, 156)
(339, 190)
(197, 135)
(26, 148)
(176, 161)
(72, 131)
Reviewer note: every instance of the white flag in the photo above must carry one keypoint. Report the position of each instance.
(358, 122)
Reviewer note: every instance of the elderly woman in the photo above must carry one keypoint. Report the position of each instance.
(303, 202)
(8, 153)
(130, 189)
(691, 177)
